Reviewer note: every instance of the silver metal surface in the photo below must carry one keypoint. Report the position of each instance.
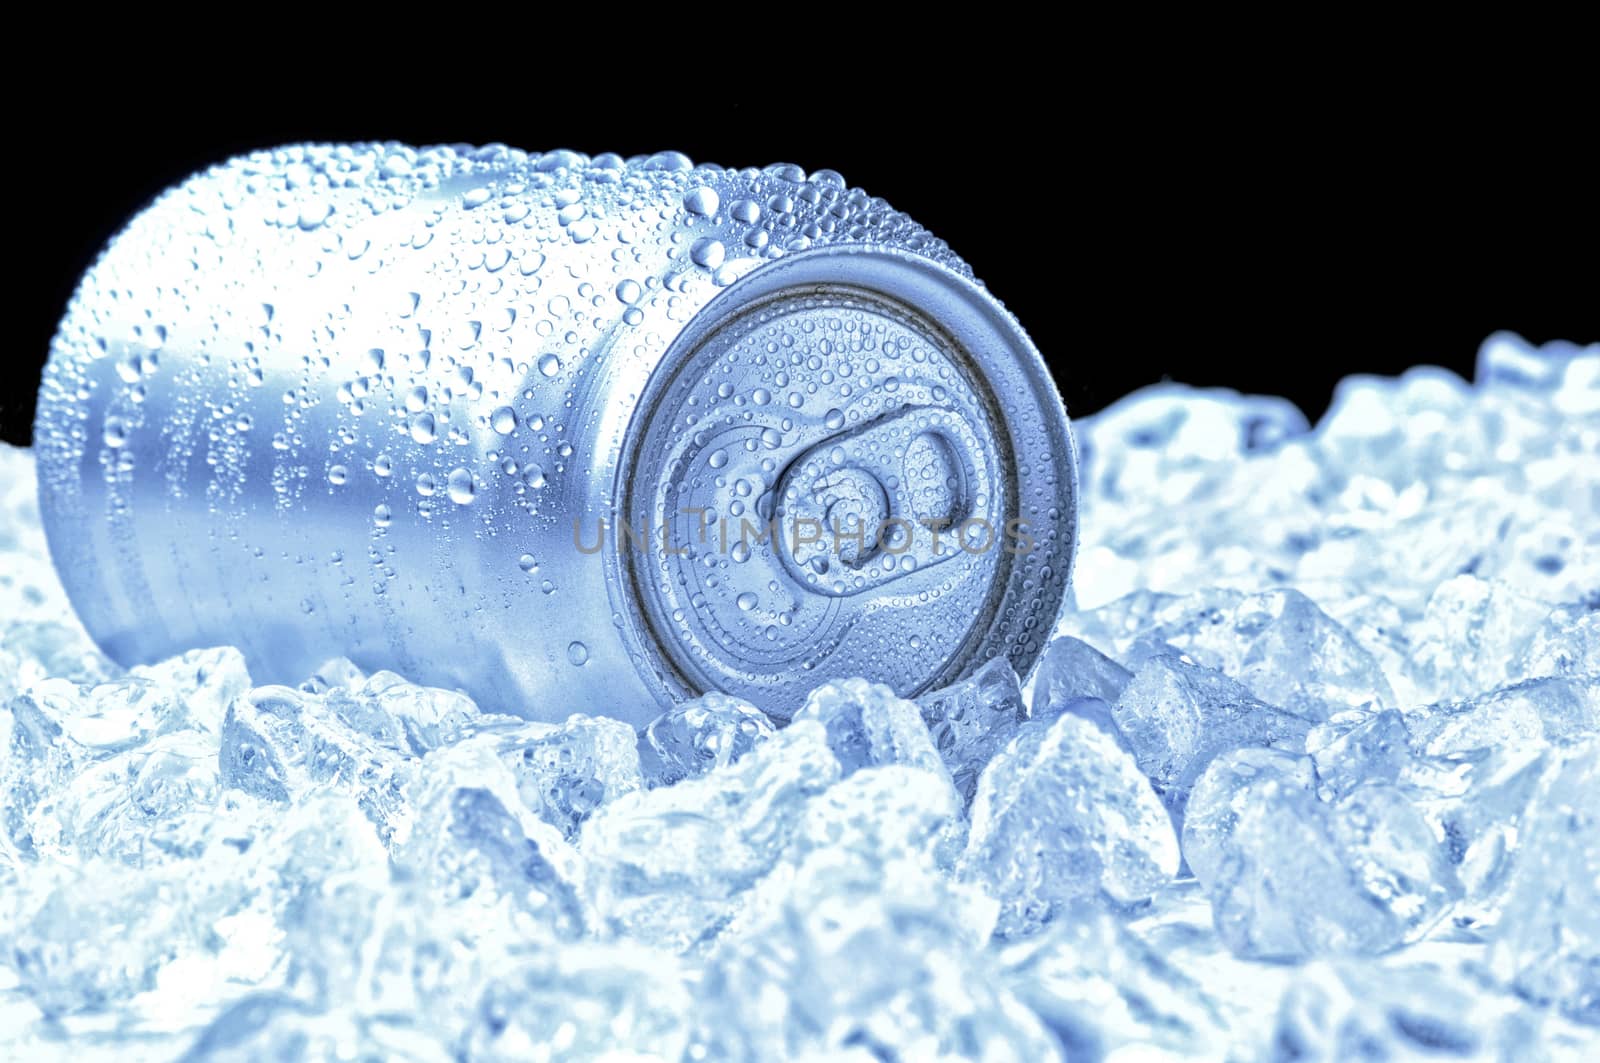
(375, 401)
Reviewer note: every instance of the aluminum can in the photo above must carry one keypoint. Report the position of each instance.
(566, 433)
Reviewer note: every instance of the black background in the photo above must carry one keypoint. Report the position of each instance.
(1217, 234)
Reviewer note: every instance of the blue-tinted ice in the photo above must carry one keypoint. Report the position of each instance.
(1310, 773)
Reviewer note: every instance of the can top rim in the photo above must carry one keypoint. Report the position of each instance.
(1013, 439)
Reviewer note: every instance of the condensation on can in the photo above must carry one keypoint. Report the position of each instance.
(554, 430)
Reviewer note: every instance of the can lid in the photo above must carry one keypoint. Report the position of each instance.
(852, 462)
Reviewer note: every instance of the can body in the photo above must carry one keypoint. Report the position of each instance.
(565, 433)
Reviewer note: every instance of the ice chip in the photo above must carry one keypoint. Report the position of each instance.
(1071, 669)
(204, 681)
(585, 1002)
(40, 759)
(1277, 644)
(1233, 784)
(668, 865)
(473, 845)
(1476, 801)
(277, 743)
(1560, 709)
(564, 773)
(973, 720)
(1466, 638)
(1101, 992)
(398, 714)
(867, 724)
(1064, 813)
(893, 812)
(1547, 946)
(328, 877)
(1293, 655)
(1348, 1010)
(1567, 643)
(118, 715)
(142, 806)
(1177, 716)
(1290, 876)
(692, 738)
(1506, 360)
(859, 958)
(1357, 747)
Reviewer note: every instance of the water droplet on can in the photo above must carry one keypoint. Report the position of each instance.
(422, 428)
(702, 201)
(708, 253)
(461, 487)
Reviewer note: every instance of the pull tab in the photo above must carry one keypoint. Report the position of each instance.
(889, 498)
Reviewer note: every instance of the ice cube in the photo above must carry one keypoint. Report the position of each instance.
(473, 846)
(585, 1002)
(1547, 947)
(692, 738)
(398, 714)
(1064, 813)
(277, 743)
(1277, 644)
(668, 865)
(1177, 716)
(867, 724)
(862, 960)
(1476, 802)
(973, 720)
(1567, 643)
(1233, 784)
(564, 773)
(102, 933)
(893, 812)
(1357, 747)
(1290, 876)
(1348, 1009)
(106, 718)
(205, 682)
(328, 879)
(1468, 635)
(1103, 993)
(142, 806)
(1560, 709)
(1070, 670)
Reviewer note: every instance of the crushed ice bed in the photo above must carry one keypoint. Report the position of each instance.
(1311, 770)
